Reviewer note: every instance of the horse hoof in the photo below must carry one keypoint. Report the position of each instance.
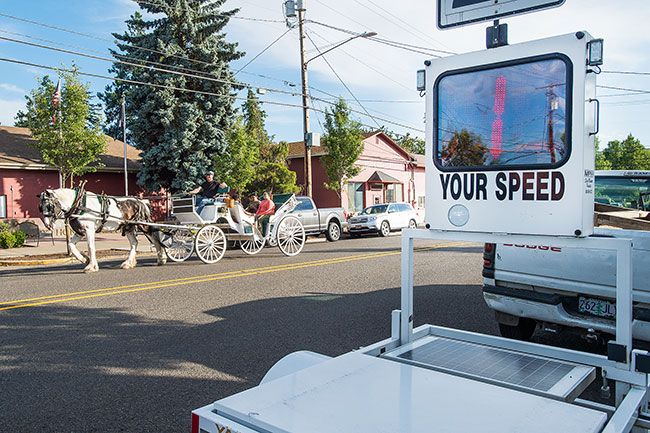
(127, 265)
(91, 270)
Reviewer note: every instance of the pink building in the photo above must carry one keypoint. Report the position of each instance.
(388, 174)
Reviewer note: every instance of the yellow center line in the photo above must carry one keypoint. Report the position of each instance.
(110, 291)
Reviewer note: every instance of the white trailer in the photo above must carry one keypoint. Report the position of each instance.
(509, 160)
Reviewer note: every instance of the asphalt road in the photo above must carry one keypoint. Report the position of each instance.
(137, 350)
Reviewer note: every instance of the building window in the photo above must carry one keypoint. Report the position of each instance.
(393, 192)
(3, 206)
(355, 196)
(376, 186)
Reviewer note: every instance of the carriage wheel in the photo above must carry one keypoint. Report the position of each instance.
(291, 236)
(182, 246)
(253, 245)
(210, 244)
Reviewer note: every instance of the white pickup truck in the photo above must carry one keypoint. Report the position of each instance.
(532, 285)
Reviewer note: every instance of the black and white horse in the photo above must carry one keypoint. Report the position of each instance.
(89, 213)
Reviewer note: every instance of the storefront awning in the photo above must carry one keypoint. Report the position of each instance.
(380, 176)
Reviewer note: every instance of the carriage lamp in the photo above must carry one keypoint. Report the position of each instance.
(595, 48)
(421, 80)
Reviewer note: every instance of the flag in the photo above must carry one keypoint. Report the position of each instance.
(56, 99)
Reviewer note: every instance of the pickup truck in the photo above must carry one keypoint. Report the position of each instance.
(331, 221)
(541, 285)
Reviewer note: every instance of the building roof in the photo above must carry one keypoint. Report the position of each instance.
(16, 151)
(297, 148)
(380, 176)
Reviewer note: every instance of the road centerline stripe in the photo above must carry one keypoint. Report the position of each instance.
(133, 288)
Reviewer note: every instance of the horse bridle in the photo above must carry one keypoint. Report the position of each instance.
(51, 208)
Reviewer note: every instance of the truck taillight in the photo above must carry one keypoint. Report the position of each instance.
(195, 423)
(489, 253)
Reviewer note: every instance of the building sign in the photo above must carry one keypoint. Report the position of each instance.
(509, 144)
(453, 13)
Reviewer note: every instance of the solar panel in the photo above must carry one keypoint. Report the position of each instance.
(528, 372)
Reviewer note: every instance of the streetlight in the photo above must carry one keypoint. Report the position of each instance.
(305, 89)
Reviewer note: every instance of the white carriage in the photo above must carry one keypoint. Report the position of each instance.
(224, 222)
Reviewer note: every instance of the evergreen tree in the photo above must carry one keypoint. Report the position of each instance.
(344, 141)
(63, 132)
(407, 142)
(180, 133)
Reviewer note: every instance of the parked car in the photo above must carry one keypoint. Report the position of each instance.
(382, 219)
(331, 221)
(531, 285)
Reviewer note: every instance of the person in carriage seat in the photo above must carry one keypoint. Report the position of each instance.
(253, 204)
(208, 191)
(264, 212)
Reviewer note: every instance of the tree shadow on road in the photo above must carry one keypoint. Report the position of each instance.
(66, 368)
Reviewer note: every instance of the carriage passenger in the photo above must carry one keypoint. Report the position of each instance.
(253, 204)
(264, 212)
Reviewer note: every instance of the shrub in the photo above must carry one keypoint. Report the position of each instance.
(10, 238)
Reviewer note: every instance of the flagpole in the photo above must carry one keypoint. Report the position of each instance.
(126, 173)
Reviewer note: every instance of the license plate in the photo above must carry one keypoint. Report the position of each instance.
(597, 307)
(356, 226)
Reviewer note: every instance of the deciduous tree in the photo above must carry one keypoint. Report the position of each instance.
(67, 134)
(344, 141)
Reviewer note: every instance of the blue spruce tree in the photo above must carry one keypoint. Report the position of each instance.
(180, 133)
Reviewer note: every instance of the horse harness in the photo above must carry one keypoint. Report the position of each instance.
(52, 208)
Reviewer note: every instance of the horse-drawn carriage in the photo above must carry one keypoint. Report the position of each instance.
(224, 222)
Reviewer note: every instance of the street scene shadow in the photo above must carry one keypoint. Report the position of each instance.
(110, 355)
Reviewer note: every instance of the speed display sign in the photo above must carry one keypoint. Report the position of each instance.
(510, 139)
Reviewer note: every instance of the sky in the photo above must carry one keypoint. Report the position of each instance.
(380, 76)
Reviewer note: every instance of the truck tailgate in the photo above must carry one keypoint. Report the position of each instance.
(581, 270)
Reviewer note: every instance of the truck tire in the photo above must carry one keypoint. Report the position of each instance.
(333, 232)
(384, 229)
(522, 331)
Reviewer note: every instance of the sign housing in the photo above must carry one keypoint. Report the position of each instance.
(508, 139)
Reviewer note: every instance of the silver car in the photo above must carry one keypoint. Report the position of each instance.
(382, 219)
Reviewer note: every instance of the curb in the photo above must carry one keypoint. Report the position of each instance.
(60, 261)
(40, 262)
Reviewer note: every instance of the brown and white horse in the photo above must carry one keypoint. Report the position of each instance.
(89, 213)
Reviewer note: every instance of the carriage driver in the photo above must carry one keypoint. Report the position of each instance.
(208, 190)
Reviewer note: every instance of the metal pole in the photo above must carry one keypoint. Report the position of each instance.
(126, 173)
(305, 103)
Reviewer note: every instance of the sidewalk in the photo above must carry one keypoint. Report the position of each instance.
(50, 253)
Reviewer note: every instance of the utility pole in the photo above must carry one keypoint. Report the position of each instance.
(126, 173)
(305, 99)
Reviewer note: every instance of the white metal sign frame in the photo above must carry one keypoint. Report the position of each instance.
(453, 13)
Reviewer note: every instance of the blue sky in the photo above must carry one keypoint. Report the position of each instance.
(373, 71)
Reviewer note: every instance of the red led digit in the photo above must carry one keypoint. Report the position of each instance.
(497, 125)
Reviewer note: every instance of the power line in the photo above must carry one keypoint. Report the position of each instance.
(624, 89)
(234, 83)
(263, 51)
(408, 24)
(626, 72)
(400, 26)
(364, 63)
(342, 82)
(395, 44)
(113, 41)
(161, 86)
